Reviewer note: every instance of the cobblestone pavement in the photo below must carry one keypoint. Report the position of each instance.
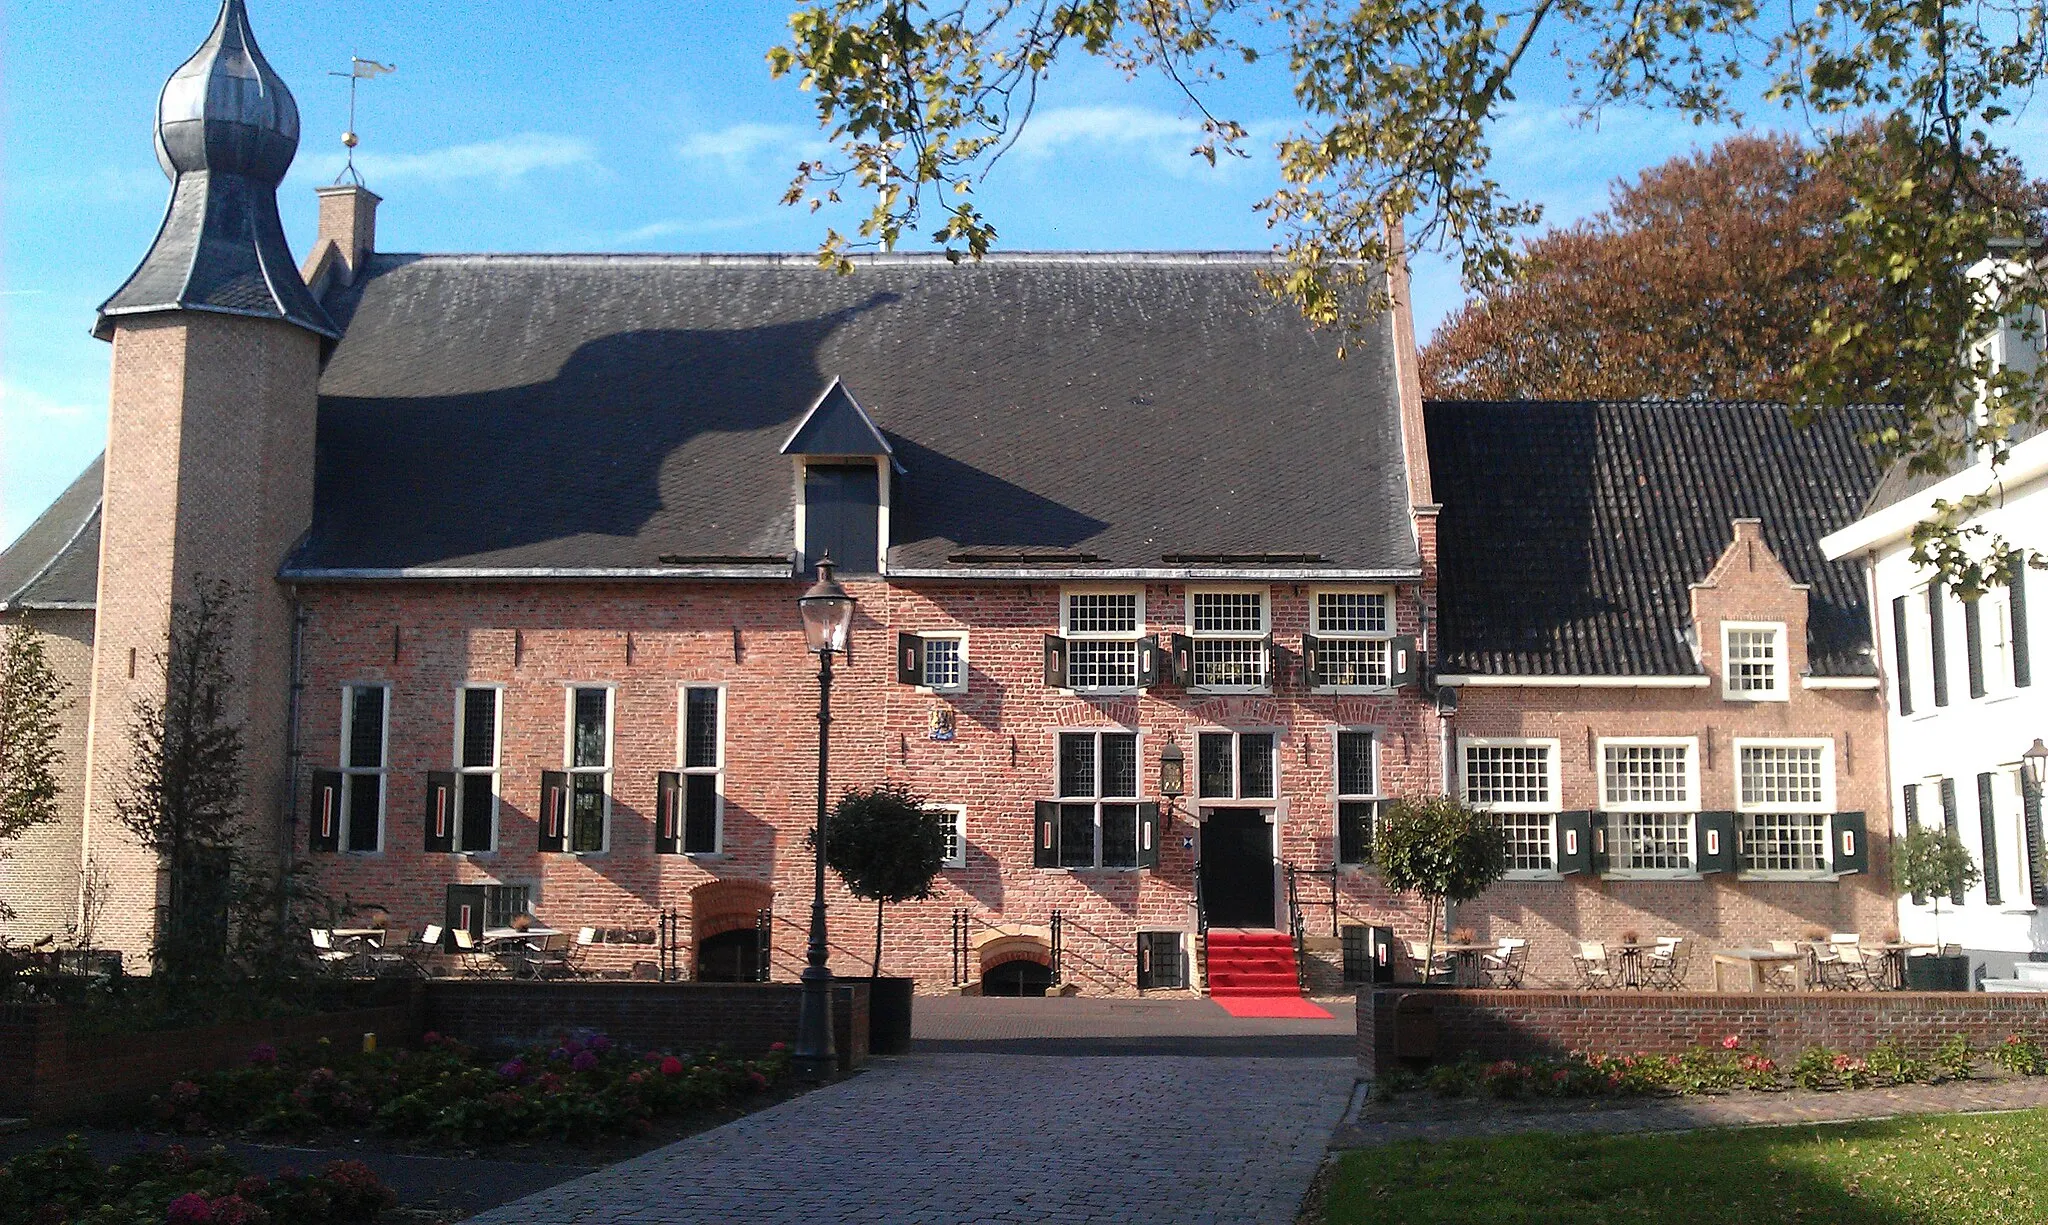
(1423, 1118)
(975, 1137)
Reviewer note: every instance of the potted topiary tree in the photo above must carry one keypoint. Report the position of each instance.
(1440, 849)
(888, 848)
(1929, 862)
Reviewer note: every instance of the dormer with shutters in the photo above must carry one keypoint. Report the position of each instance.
(844, 468)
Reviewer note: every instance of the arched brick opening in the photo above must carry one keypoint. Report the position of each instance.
(1002, 947)
(721, 906)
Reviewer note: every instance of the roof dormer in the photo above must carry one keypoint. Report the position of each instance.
(844, 468)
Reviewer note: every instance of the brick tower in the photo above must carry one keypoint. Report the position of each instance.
(217, 345)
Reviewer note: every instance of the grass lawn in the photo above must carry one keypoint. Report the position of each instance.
(1972, 1170)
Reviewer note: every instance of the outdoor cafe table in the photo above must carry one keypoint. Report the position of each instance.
(1628, 959)
(1751, 965)
(368, 935)
(512, 935)
(1892, 956)
(1466, 967)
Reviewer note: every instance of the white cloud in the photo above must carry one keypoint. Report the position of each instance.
(21, 402)
(676, 227)
(505, 159)
(739, 144)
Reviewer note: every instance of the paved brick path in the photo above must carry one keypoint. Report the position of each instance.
(954, 1138)
(1424, 1118)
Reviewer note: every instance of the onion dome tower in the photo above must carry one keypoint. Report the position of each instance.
(226, 132)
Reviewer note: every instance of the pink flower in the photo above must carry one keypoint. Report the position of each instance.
(263, 1054)
(511, 1069)
(760, 1081)
(671, 1066)
(430, 1038)
(1730, 1042)
(584, 1061)
(778, 1046)
(190, 1208)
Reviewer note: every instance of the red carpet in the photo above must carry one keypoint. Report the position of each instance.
(1251, 974)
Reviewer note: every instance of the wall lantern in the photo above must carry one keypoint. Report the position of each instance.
(1173, 771)
(2036, 762)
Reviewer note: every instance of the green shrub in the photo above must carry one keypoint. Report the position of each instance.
(1955, 1059)
(178, 1186)
(2020, 1055)
(1890, 1064)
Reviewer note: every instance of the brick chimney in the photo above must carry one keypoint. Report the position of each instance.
(348, 232)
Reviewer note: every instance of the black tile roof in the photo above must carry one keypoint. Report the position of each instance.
(1571, 532)
(55, 563)
(1901, 482)
(602, 412)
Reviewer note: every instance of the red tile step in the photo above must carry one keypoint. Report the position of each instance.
(1251, 963)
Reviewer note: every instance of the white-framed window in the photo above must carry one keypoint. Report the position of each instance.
(365, 731)
(700, 756)
(478, 744)
(506, 902)
(587, 755)
(1236, 765)
(955, 817)
(1098, 791)
(1355, 756)
(1356, 632)
(945, 662)
(1102, 629)
(1649, 791)
(1784, 793)
(1229, 628)
(1753, 662)
(1518, 780)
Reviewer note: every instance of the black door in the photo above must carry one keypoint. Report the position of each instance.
(1237, 868)
(466, 912)
(733, 957)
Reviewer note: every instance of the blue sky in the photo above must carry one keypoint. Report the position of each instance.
(621, 125)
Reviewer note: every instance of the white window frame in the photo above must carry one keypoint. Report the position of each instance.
(490, 774)
(1554, 784)
(716, 771)
(1823, 808)
(1316, 628)
(1199, 636)
(1237, 798)
(1920, 654)
(1688, 807)
(1339, 796)
(611, 700)
(1097, 798)
(1781, 687)
(1131, 636)
(351, 773)
(960, 637)
(956, 821)
(2009, 812)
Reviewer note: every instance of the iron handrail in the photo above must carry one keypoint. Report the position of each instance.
(1201, 907)
(1297, 926)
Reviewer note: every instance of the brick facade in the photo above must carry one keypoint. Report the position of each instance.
(39, 872)
(1723, 909)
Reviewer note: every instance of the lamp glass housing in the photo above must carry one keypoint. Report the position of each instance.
(1173, 772)
(827, 611)
(2035, 760)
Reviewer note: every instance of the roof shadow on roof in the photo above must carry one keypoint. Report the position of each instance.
(939, 492)
(641, 438)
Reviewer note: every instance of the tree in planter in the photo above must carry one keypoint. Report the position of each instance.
(1440, 849)
(887, 847)
(31, 698)
(1929, 862)
(184, 792)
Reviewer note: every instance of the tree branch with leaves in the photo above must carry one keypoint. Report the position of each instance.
(32, 702)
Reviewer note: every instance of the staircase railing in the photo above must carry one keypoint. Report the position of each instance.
(670, 937)
(1058, 966)
(1297, 927)
(1201, 907)
(764, 930)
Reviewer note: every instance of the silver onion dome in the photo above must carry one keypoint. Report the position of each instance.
(226, 132)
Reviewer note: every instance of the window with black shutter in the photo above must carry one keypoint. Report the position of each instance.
(2022, 656)
(440, 814)
(1987, 832)
(365, 711)
(1357, 796)
(589, 768)
(1351, 640)
(937, 662)
(1937, 642)
(842, 516)
(1098, 821)
(668, 813)
(1100, 643)
(1952, 821)
(2037, 871)
(703, 768)
(477, 743)
(1973, 644)
(1162, 961)
(1909, 803)
(1902, 662)
(554, 810)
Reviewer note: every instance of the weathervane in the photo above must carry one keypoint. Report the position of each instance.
(359, 69)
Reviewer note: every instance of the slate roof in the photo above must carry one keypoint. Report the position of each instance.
(1900, 482)
(603, 412)
(55, 563)
(1571, 532)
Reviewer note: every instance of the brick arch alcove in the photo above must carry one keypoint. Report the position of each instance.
(727, 905)
(1012, 944)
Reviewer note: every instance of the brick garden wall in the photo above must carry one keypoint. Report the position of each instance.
(746, 1017)
(1394, 1024)
(48, 1075)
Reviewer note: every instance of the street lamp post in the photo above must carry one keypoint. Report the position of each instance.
(828, 618)
(2035, 761)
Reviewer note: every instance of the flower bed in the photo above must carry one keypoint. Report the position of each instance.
(1703, 1070)
(64, 1184)
(585, 1089)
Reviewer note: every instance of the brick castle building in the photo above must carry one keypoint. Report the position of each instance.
(519, 539)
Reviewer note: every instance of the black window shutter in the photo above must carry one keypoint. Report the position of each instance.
(468, 905)
(1987, 831)
(1902, 663)
(1848, 844)
(1973, 644)
(1909, 801)
(1599, 834)
(1952, 821)
(1148, 660)
(2022, 663)
(1714, 842)
(1183, 659)
(554, 810)
(1574, 842)
(1148, 835)
(1404, 662)
(1269, 661)
(440, 811)
(324, 814)
(1311, 660)
(1937, 642)
(1055, 662)
(1045, 835)
(2037, 872)
(909, 659)
(668, 813)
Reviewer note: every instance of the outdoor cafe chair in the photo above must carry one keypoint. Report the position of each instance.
(1505, 966)
(1668, 963)
(578, 953)
(475, 960)
(1790, 975)
(1853, 967)
(327, 952)
(1428, 969)
(1594, 972)
(548, 957)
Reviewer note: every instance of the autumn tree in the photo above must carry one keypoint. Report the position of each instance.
(1400, 104)
(31, 699)
(1702, 278)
